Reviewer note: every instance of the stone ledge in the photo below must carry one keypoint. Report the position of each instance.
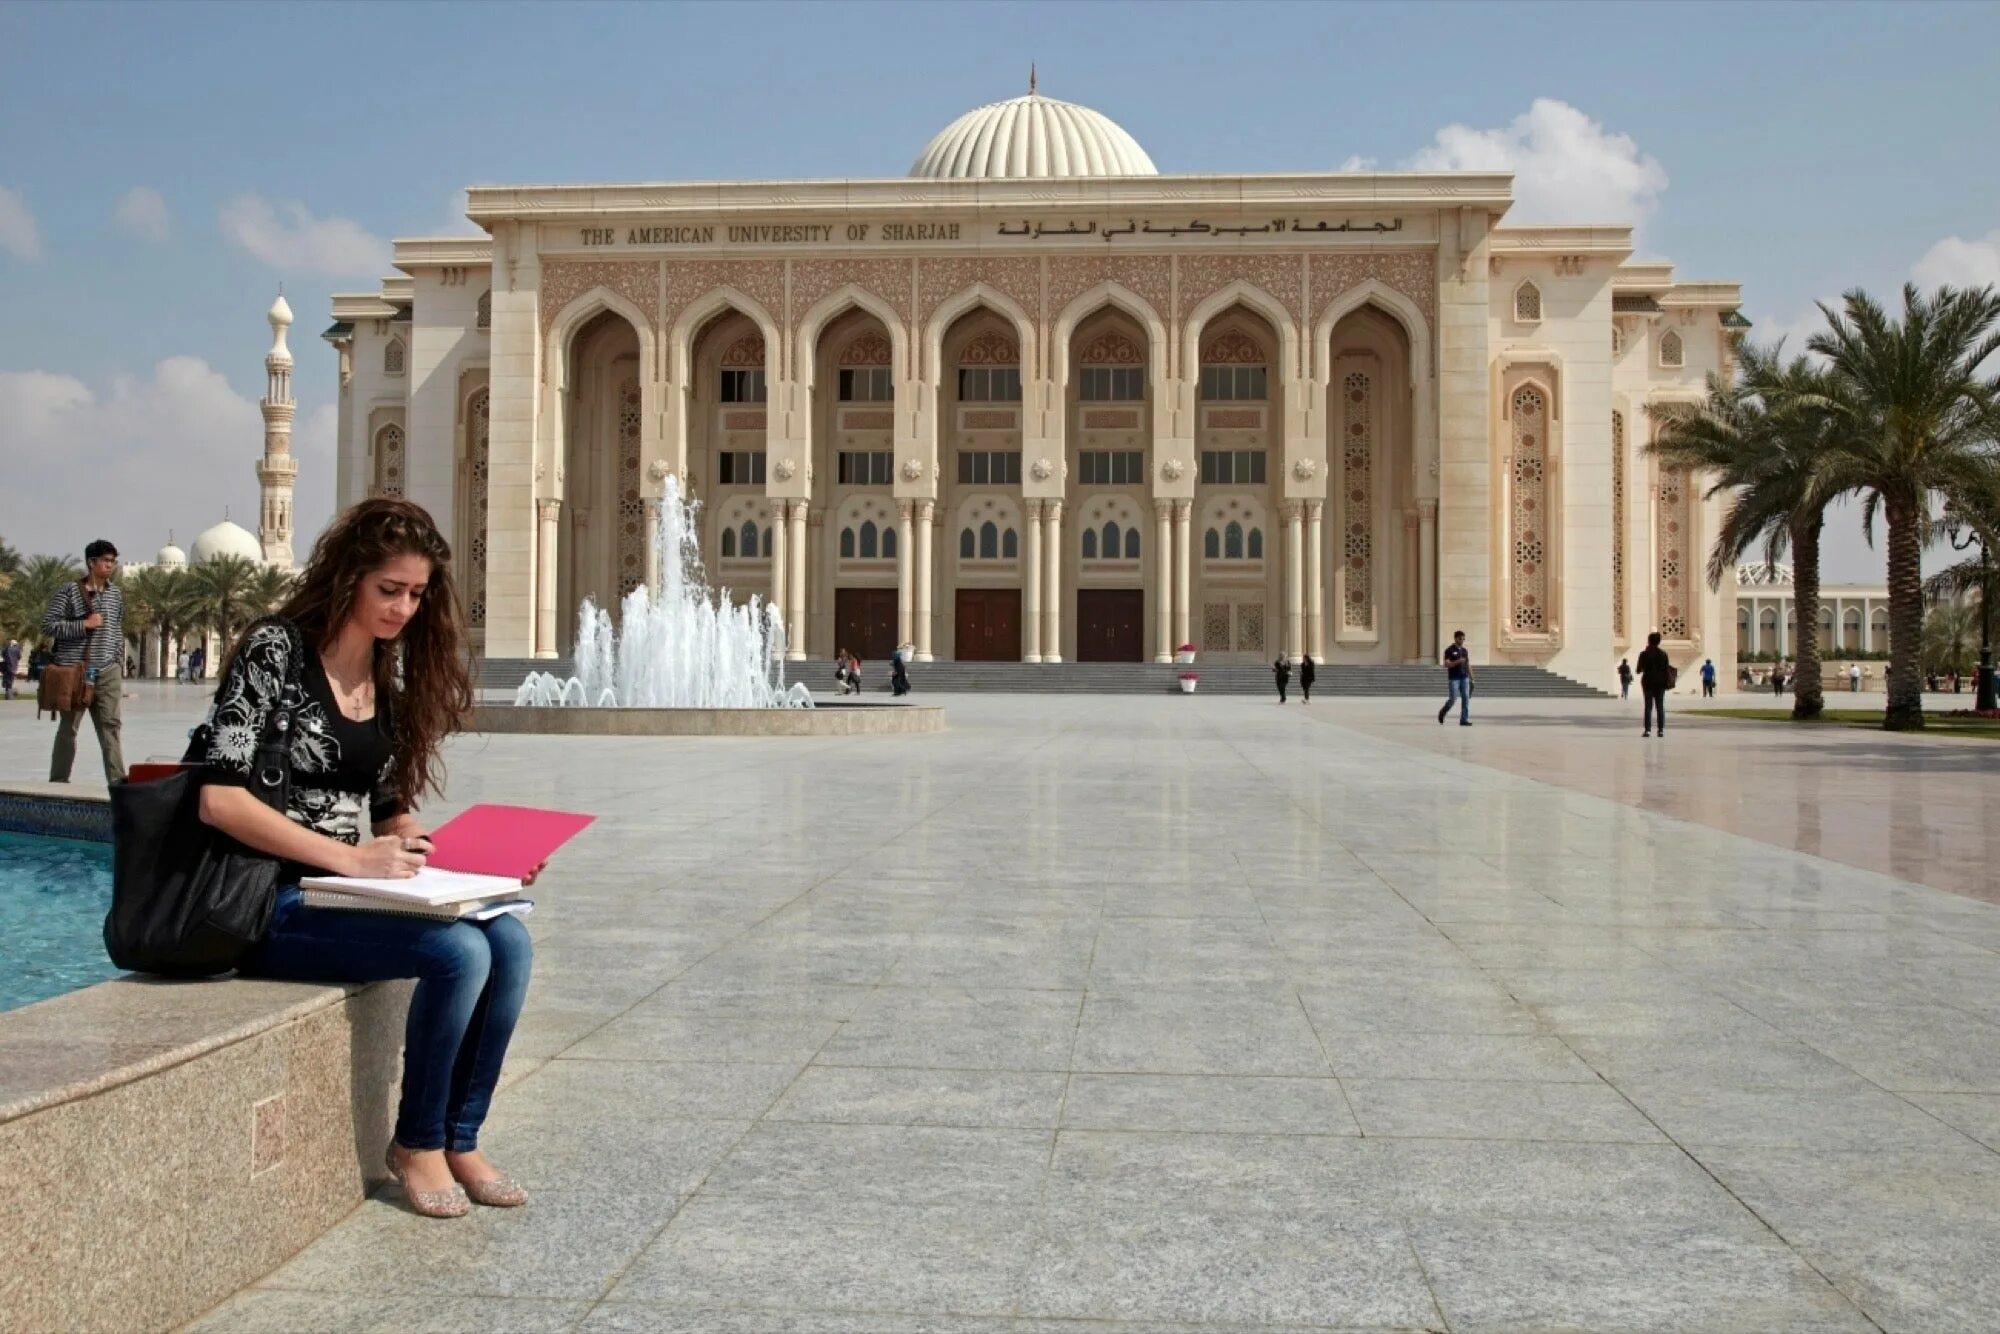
(849, 720)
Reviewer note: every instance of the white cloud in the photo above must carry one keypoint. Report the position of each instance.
(1960, 263)
(143, 213)
(1567, 167)
(1358, 162)
(455, 222)
(288, 236)
(129, 462)
(19, 236)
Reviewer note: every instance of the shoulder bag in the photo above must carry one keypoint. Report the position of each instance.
(67, 689)
(186, 899)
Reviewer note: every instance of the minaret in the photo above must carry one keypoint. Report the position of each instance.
(277, 470)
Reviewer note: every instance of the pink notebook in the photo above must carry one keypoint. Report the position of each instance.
(509, 841)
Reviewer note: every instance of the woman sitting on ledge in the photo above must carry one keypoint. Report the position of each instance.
(382, 683)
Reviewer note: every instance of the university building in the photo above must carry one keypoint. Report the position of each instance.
(1037, 401)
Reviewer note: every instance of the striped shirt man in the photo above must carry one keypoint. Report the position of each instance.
(63, 622)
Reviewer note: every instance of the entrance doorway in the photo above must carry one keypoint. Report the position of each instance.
(1110, 625)
(989, 625)
(864, 621)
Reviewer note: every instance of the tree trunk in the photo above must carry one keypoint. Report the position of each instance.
(1808, 690)
(1906, 613)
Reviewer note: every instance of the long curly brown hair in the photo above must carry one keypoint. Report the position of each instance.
(423, 671)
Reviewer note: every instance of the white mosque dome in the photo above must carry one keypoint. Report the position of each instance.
(1032, 136)
(171, 557)
(227, 539)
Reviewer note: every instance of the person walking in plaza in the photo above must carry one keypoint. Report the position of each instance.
(198, 663)
(10, 664)
(1708, 678)
(372, 641)
(1457, 679)
(1778, 677)
(899, 671)
(1281, 672)
(86, 619)
(1624, 678)
(1307, 675)
(1656, 678)
(181, 666)
(1853, 678)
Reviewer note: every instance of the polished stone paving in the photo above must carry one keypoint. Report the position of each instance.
(1161, 1014)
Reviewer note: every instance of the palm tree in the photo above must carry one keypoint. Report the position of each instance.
(223, 591)
(1970, 520)
(1759, 439)
(1918, 423)
(10, 561)
(28, 593)
(269, 588)
(1951, 637)
(142, 606)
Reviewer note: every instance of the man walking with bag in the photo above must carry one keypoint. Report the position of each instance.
(87, 622)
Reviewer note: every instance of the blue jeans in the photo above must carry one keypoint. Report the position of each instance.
(472, 978)
(1460, 689)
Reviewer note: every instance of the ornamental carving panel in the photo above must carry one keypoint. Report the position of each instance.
(1110, 419)
(564, 280)
(1234, 418)
(746, 352)
(1528, 517)
(989, 419)
(870, 349)
(990, 349)
(688, 280)
(1112, 348)
(1675, 612)
(1148, 277)
(1232, 347)
(1280, 276)
(871, 420)
(389, 461)
(1215, 627)
(1249, 627)
(1618, 526)
(1019, 280)
(887, 280)
(631, 507)
(478, 455)
(1411, 272)
(1357, 482)
(751, 419)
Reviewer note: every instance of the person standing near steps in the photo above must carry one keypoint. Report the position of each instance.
(1281, 672)
(1457, 679)
(1307, 675)
(1656, 678)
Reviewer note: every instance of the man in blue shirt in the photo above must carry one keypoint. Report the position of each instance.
(1457, 679)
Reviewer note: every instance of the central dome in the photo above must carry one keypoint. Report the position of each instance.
(1029, 137)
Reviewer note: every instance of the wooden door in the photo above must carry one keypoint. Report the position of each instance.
(864, 622)
(1110, 625)
(989, 625)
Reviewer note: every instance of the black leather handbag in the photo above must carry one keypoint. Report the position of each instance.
(186, 899)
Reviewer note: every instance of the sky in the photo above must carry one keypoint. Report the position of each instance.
(164, 167)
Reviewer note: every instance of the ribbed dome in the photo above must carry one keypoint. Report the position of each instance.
(1032, 136)
(227, 539)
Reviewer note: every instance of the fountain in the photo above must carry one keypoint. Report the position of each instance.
(691, 662)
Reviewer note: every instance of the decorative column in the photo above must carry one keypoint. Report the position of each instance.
(795, 586)
(1052, 592)
(926, 523)
(1315, 600)
(1163, 580)
(904, 537)
(780, 564)
(1294, 579)
(1183, 516)
(1031, 587)
(1427, 587)
(548, 512)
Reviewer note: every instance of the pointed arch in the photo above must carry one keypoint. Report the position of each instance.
(1254, 298)
(1107, 295)
(1416, 330)
(569, 321)
(964, 302)
(832, 306)
(1527, 302)
(715, 302)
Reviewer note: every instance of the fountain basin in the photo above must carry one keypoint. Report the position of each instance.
(828, 719)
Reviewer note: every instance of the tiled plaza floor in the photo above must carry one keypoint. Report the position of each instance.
(1204, 1013)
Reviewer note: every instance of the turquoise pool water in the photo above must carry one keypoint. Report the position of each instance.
(53, 896)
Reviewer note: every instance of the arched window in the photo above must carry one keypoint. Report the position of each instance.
(769, 550)
(1256, 544)
(392, 357)
(1671, 352)
(1211, 545)
(749, 542)
(868, 539)
(1232, 541)
(965, 542)
(483, 316)
(847, 544)
(1090, 544)
(728, 543)
(1010, 545)
(888, 543)
(1110, 540)
(1132, 543)
(989, 541)
(1528, 304)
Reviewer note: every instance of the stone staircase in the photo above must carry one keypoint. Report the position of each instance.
(1124, 678)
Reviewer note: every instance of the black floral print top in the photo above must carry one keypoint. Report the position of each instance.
(340, 768)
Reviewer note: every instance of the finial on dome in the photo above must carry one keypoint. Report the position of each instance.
(1031, 78)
